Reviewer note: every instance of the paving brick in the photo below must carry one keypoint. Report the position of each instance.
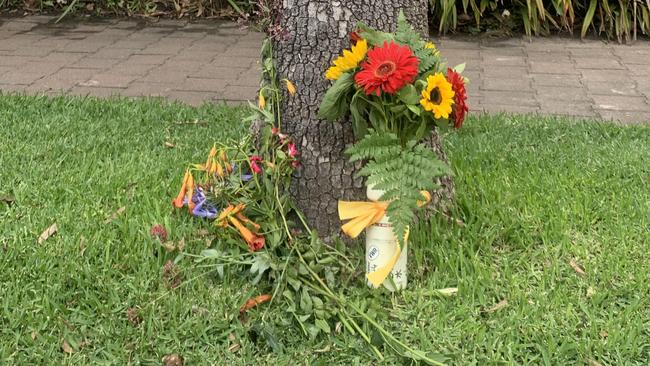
(558, 80)
(231, 62)
(510, 72)
(95, 63)
(33, 51)
(597, 63)
(163, 49)
(113, 53)
(38, 67)
(11, 88)
(95, 91)
(133, 45)
(567, 108)
(567, 94)
(194, 98)
(593, 53)
(558, 56)
(630, 117)
(609, 88)
(109, 80)
(222, 73)
(165, 75)
(182, 65)
(526, 99)
(63, 57)
(640, 70)
(203, 84)
(128, 68)
(147, 59)
(504, 60)
(83, 46)
(509, 108)
(20, 78)
(242, 93)
(506, 84)
(139, 89)
(503, 52)
(606, 75)
(539, 67)
(621, 103)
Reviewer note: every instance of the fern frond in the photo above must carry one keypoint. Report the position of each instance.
(401, 171)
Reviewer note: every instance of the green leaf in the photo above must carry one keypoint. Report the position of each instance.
(334, 104)
(305, 301)
(459, 68)
(358, 108)
(409, 94)
(322, 325)
(588, 18)
(414, 108)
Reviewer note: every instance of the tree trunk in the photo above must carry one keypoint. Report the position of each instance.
(315, 33)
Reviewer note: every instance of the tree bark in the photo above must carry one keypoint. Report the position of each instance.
(315, 33)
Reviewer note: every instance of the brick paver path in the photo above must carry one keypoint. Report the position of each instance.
(214, 61)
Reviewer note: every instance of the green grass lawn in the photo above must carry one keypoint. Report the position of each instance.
(534, 193)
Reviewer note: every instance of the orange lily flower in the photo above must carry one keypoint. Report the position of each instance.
(232, 214)
(190, 193)
(178, 201)
(224, 160)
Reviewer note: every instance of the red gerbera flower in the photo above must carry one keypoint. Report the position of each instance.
(388, 68)
(460, 106)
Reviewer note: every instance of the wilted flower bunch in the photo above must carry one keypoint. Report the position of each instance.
(232, 180)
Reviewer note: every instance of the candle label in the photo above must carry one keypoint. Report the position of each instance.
(373, 253)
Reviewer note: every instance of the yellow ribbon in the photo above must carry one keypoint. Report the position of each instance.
(361, 215)
(365, 214)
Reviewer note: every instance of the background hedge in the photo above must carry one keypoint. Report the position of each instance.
(617, 19)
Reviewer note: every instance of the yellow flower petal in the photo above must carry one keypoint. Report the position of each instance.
(261, 101)
(291, 88)
(348, 60)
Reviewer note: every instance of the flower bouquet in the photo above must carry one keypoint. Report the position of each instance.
(396, 89)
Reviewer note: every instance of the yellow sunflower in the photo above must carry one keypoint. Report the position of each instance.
(348, 61)
(438, 96)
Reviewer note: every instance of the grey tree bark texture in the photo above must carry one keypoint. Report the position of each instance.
(315, 33)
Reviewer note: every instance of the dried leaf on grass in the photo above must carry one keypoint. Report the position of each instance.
(173, 360)
(253, 302)
(591, 291)
(82, 246)
(133, 314)
(171, 275)
(47, 233)
(66, 347)
(593, 362)
(577, 267)
(34, 335)
(169, 145)
(115, 215)
(498, 306)
(9, 200)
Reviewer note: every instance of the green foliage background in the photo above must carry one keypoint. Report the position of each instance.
(615, 19)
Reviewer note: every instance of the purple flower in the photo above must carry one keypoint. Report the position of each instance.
(202, 208)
